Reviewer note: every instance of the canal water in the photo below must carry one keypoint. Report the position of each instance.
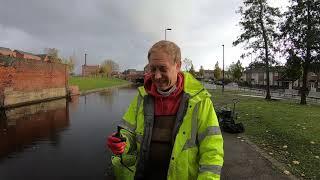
(61, 139)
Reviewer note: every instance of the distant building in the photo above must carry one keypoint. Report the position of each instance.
(26, 55)
(208, 74)
(130, 72)
(88, 70)
(6, 52)
(257, 76)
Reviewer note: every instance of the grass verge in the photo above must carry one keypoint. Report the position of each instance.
(89, 83)
(286, 130)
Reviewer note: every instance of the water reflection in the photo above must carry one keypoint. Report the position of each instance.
(43, 142)
(25, 126)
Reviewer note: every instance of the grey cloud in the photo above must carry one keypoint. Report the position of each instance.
(121, 30)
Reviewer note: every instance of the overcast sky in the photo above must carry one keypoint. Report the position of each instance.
(123, 30)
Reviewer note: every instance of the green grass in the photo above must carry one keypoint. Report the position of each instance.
(275, 124)
(89, 83)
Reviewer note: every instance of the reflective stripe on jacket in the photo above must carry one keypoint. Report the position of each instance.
(198, 145)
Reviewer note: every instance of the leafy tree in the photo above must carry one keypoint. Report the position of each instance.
(70, 64)
(53, 54)
(217, 71)
(300, 34)
(201, 71)
(108, 66)
(293, 68)
(187, 63)
(192, 71)
(258, 25)
(236, 70)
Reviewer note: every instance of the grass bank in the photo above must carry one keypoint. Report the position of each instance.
(286, 130)
(90, 83)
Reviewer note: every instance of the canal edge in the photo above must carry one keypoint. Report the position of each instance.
(104, 89)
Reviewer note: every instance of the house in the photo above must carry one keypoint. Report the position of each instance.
(208, 74)
(6, 52)
(257, 76)
(130, 72)
(88, 70)
(26, 55)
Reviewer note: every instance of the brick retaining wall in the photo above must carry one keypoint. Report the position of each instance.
(24, 81)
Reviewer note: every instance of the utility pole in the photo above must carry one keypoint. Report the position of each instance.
(222, 68)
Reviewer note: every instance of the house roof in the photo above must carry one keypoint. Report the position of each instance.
(22, 52)
(42, 55)
(6, 49)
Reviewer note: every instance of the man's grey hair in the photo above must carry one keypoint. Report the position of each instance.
(167, 47)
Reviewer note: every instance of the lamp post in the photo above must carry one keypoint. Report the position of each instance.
(165, 33)
(223, 68)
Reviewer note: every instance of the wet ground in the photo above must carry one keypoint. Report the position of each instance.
(243, 162)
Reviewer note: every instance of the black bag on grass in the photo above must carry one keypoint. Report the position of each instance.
(227, 124)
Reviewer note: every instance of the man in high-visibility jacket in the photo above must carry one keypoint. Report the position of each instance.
(170, 127)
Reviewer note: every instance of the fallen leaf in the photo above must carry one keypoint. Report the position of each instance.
(303, 175)
(286, 172)
(317, 157)
(239, 137)
(296, 162)
(287, 152)
(242, 140)
(285, 146)
(312, 142)
(270, 153)
(304, 128)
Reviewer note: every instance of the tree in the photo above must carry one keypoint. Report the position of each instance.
(201, 71)
(217, 71)
(53, 54)
(187, 63)
(236, 70)
(192, 71)
(293, 68)
(300, 34)
(108, 66)
(71, 63)
(258, 26)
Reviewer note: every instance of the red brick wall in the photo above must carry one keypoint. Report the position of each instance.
(28, 75)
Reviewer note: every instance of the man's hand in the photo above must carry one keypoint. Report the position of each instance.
(116, 145)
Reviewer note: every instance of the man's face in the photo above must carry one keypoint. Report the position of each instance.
(163, 69)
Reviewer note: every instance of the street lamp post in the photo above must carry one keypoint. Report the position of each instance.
(223, 68)
(165, 33)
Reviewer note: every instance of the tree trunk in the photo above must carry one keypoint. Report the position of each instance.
(307, 61)
(304, 84)
(265, 39)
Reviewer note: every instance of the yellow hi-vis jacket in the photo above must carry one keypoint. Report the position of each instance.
(198, 145)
